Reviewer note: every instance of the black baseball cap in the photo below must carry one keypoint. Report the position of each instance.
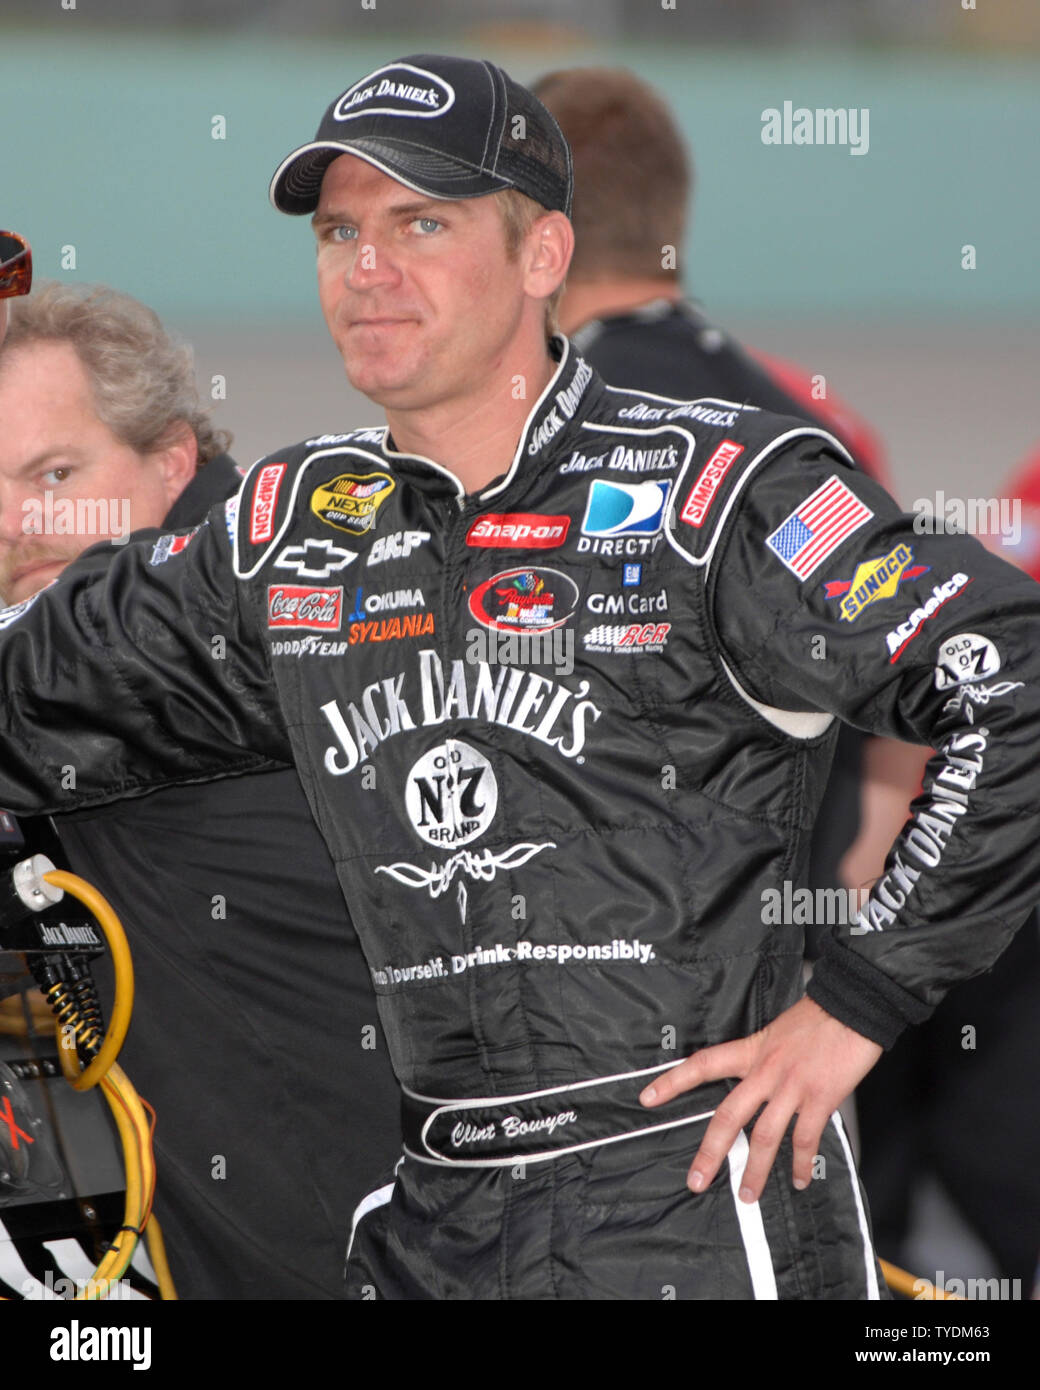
(447, 127)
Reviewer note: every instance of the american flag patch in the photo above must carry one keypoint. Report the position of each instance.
(814, 530)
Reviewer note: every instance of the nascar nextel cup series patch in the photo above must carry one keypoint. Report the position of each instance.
(815, 529)
(350, 501)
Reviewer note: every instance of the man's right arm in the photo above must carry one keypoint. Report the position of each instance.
(126, 675)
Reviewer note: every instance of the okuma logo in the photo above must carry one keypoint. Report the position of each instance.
(625, 509)
(397, 90)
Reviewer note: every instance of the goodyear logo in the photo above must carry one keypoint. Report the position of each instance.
(350, 502)
(874, 580)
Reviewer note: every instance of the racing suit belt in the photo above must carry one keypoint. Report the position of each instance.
(536, 1126)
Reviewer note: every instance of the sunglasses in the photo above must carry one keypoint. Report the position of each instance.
(15, 265)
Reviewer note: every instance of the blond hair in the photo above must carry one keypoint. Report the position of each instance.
(141, 377)
(519, 214)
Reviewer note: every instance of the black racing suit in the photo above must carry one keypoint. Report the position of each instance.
(672, 349)
(567, 879)
(254, 1034)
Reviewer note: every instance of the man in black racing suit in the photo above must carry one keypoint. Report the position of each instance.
(567, 765)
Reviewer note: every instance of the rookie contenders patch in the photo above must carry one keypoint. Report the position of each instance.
(350, 502)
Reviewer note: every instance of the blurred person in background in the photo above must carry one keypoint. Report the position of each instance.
(925, 1103)
(625, 310)
(276, 1108)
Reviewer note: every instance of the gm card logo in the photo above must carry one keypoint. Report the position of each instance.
(695, 508)
(874, 580)
(625, 509)
(966, 657)
(265, 498)
(518, 531)
(524, 600)
(350, 502)
(292, 605)
(396, 90)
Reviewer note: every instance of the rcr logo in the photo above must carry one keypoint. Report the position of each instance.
(451, 795)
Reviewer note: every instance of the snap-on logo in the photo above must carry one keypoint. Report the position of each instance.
(518, 531)
(397, 90)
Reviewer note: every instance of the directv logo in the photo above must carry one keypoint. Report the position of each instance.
(634, 510)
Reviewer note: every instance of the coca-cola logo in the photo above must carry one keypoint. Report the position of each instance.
(293, 605)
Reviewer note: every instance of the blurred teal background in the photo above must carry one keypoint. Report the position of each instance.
(108, 148)
(850, 265)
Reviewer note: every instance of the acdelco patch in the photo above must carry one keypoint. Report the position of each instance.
(350, 502)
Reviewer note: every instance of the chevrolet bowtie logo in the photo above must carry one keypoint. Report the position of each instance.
(314, 559)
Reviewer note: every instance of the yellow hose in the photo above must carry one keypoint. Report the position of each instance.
(123, 1100)
(902, 1282)
(124, 968)
(132, 1124)
(157, 1251)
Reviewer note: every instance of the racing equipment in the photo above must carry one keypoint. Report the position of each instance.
(565, 739)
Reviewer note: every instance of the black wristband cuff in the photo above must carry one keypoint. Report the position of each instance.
(862, 997)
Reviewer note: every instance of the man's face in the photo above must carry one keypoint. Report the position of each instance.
(52, 442)
(418, 294)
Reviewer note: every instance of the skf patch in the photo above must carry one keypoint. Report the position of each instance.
(350, 502)
(695, 508)
(874, 580)
(818, 527)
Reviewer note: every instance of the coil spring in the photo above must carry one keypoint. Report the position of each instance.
(89, 1008)
(64, 1006)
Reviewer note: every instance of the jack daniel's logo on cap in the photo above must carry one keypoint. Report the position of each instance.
(397, 90)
